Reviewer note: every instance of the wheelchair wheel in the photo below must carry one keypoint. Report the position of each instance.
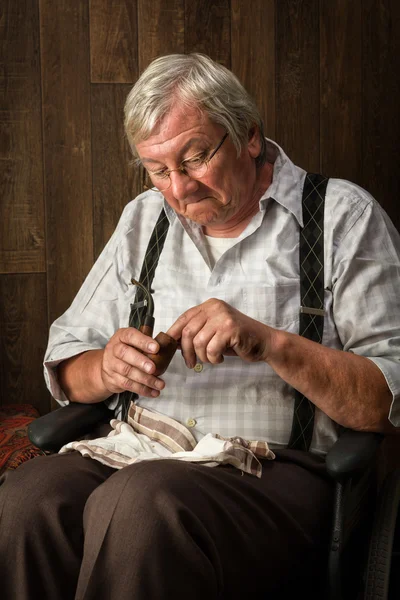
(383, 570)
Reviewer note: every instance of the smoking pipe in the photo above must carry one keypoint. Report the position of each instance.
(168, 344)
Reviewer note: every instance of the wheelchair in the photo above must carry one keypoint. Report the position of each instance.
(364, 554)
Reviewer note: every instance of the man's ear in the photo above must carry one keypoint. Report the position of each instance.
(254, 143)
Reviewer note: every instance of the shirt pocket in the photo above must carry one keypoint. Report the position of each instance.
(277, 306)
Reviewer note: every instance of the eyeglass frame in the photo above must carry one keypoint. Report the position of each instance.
(181, 168)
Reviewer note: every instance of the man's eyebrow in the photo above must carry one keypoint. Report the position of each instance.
(147, 160)
(182, 151)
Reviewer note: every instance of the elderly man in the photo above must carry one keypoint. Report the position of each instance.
(211, 483)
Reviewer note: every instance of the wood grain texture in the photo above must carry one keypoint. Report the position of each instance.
(113, 41)
(23, 339)
(341, 89)
(161, 29)
(22, 243)
(297, 91)
(208, 29)
(381, 102)
(115, 180)
(253, 54)
(67, 152)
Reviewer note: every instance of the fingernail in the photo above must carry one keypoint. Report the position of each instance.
(152, 347)
(148, 367)
(154, 393)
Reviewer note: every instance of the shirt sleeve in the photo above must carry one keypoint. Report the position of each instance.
(365, 286)
(100, 308)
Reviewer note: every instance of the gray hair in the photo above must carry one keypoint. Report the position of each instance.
(196, 81)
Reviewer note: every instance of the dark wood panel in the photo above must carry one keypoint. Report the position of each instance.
(67, 151)
(341, 89)
(208, 29)
(23, 340)
(161, 29)
(113, 41)
(253, 53)
(381, 103)
(115, 180)
(22, 245)
(298, 93)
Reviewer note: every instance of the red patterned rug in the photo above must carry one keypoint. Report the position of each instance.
(15, 447)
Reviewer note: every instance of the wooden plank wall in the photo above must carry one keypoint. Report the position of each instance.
(325, 74)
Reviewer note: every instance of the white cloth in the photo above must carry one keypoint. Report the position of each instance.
(259, 275)
(151, 436)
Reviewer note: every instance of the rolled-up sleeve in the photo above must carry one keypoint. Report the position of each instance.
(366, 277)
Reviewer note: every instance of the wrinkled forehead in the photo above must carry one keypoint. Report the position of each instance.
(181, 118)
(179, 129)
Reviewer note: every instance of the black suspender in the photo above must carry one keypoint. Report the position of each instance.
(149, 266)
(311, 295)
(311, 292)
(138, 308)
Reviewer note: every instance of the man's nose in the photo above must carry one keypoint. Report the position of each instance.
(182, 185)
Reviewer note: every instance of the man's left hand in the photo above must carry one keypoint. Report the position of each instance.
(215, 329)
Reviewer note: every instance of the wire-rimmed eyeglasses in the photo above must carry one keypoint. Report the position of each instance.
(194, 167)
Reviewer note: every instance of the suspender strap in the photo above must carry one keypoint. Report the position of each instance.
(149, 266)
(311, 295)
(138, 308)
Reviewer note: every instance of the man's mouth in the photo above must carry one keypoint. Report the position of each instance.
(196, 201)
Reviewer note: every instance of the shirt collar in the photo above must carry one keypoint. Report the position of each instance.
(171, 214)
(287, 182)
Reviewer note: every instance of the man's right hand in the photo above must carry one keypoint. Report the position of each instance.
(125, 367)
(95, 375)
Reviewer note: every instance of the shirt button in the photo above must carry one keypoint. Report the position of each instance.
(198, 368)
(191, 422)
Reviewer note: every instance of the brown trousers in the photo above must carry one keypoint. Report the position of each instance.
(72, 528)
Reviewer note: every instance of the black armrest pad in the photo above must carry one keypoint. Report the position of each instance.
(66, 424)
(352, 453)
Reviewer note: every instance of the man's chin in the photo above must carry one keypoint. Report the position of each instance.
(202, 217)
(206, 220)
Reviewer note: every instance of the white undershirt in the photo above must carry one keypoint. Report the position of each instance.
(216, 246)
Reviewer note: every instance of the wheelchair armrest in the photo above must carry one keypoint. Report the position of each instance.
(352, 453)
(68, 423)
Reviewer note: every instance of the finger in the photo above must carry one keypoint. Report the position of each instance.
(216, 348)
(135, 374)
(132, 357)
(175, 331)
(137, 339)
(189, 332)
(137, 387)
(125, 377)
(201, 343)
